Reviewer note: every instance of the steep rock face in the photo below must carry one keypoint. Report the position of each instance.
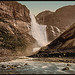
(65, 43)
(14, 29)
(14, 10)
(62, 18)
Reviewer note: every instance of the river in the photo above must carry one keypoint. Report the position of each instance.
(37, 67)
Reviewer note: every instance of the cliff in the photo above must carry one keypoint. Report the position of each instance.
(14, 29)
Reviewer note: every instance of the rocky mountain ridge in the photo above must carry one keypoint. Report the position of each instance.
(62, 18)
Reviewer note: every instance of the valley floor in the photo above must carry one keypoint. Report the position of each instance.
(46, 59)
(56, 59)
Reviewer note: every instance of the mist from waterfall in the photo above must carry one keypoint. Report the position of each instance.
(38, 31)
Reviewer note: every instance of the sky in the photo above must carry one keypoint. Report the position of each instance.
(38, 6)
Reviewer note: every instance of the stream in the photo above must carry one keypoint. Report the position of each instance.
(27, 66)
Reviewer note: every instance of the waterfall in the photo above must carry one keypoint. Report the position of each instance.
(38, 31)
(53, 31)
(58, 29)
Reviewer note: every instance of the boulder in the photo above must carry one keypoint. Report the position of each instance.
(68, 65)
(66, 68)
(3, 66)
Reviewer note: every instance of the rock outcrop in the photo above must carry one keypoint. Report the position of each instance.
(14, 29)
(62, 18)
(64, 44)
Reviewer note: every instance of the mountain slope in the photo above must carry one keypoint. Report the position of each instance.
(64, 44)
(14, 29)
(62, 18)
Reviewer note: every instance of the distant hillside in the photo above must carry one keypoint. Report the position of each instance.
(62, 18)
(40, 16)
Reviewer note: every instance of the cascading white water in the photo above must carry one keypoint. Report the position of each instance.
(53, 31)
(58, 29)
(38, 31)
